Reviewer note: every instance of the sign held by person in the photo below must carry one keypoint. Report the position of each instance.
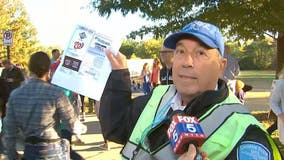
(84, 67)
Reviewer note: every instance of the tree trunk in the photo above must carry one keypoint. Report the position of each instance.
(280, 53)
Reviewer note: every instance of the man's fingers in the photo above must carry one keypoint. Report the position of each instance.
(117, 61)
(110, 56)
(191, 151)
(121, 59)
(204, 156)
(190, 154)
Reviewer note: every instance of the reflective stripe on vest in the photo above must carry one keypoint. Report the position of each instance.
(276, 151)
(215, 122)
(218, 116)
(162, 93)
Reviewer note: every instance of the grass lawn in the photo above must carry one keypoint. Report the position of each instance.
(260, 80)
(257, 74)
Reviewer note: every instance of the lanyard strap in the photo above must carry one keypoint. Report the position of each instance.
(163, 112)
(161, 116)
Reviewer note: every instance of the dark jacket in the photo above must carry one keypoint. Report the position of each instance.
(3, 97)
(119, 112)
(16, 74)
(166, 76)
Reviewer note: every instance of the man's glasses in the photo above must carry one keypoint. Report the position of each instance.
(166, 52)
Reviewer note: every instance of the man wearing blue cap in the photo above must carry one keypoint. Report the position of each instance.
(198, 90)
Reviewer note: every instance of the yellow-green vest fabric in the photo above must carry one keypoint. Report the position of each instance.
(224, 124)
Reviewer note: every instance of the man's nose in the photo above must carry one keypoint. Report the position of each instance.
(188, 60)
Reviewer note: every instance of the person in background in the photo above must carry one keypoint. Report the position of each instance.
(239, 92)
(277, 103)
(23, 70)
(141, 123)
(36, 109)
(54, 66)
(12, 75)
(155, 74)
(55, 56)
(145, 75)
(3, 97)
(3, 101)
(65, 132)
(166, 56)
(106, 145)
(232, 69)
(77, 104)
(91, 106)
(271, 115)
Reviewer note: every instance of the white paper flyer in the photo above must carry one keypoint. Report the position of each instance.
(84, 67)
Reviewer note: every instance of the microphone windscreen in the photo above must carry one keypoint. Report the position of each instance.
(183, 131)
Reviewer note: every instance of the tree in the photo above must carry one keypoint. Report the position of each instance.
(14, 17)
(259, 55)
(143, 49)
(128, 48)
(240, 20)
(148, 48)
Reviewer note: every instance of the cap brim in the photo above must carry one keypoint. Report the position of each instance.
(171, 41)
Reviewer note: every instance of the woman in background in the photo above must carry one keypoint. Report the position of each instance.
(277, 103)
(145, 75)
(239, 92)
(155, 75)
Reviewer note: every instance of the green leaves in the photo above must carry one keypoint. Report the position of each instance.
(240, 20)
(14, 17)
(143, 49)
(243, 19)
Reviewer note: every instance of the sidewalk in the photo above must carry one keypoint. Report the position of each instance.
(94, 140)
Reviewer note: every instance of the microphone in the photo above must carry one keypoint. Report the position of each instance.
(184, 130)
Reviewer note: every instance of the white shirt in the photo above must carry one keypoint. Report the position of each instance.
(176, 103)
(277, 97)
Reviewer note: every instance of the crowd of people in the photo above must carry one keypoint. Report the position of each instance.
(43, 115)
(196, 76)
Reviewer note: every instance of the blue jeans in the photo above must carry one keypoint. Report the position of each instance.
(146, 87)
(51, 151)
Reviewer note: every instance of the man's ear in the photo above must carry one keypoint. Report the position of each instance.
(47, 76)
(223, 66)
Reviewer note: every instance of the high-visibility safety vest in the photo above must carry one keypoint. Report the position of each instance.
(218, 124)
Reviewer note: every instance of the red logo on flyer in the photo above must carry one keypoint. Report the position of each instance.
(78, 45)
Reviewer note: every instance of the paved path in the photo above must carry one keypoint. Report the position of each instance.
(257, 101)
(92, 149)
(93, 139)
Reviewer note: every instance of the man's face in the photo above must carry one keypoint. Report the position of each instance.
(6, 65)
(166, 56)
(196, 68)
(56, 54)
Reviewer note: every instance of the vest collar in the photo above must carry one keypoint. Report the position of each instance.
(202, 103)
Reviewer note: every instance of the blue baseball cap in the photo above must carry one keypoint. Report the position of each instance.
(207, 33)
